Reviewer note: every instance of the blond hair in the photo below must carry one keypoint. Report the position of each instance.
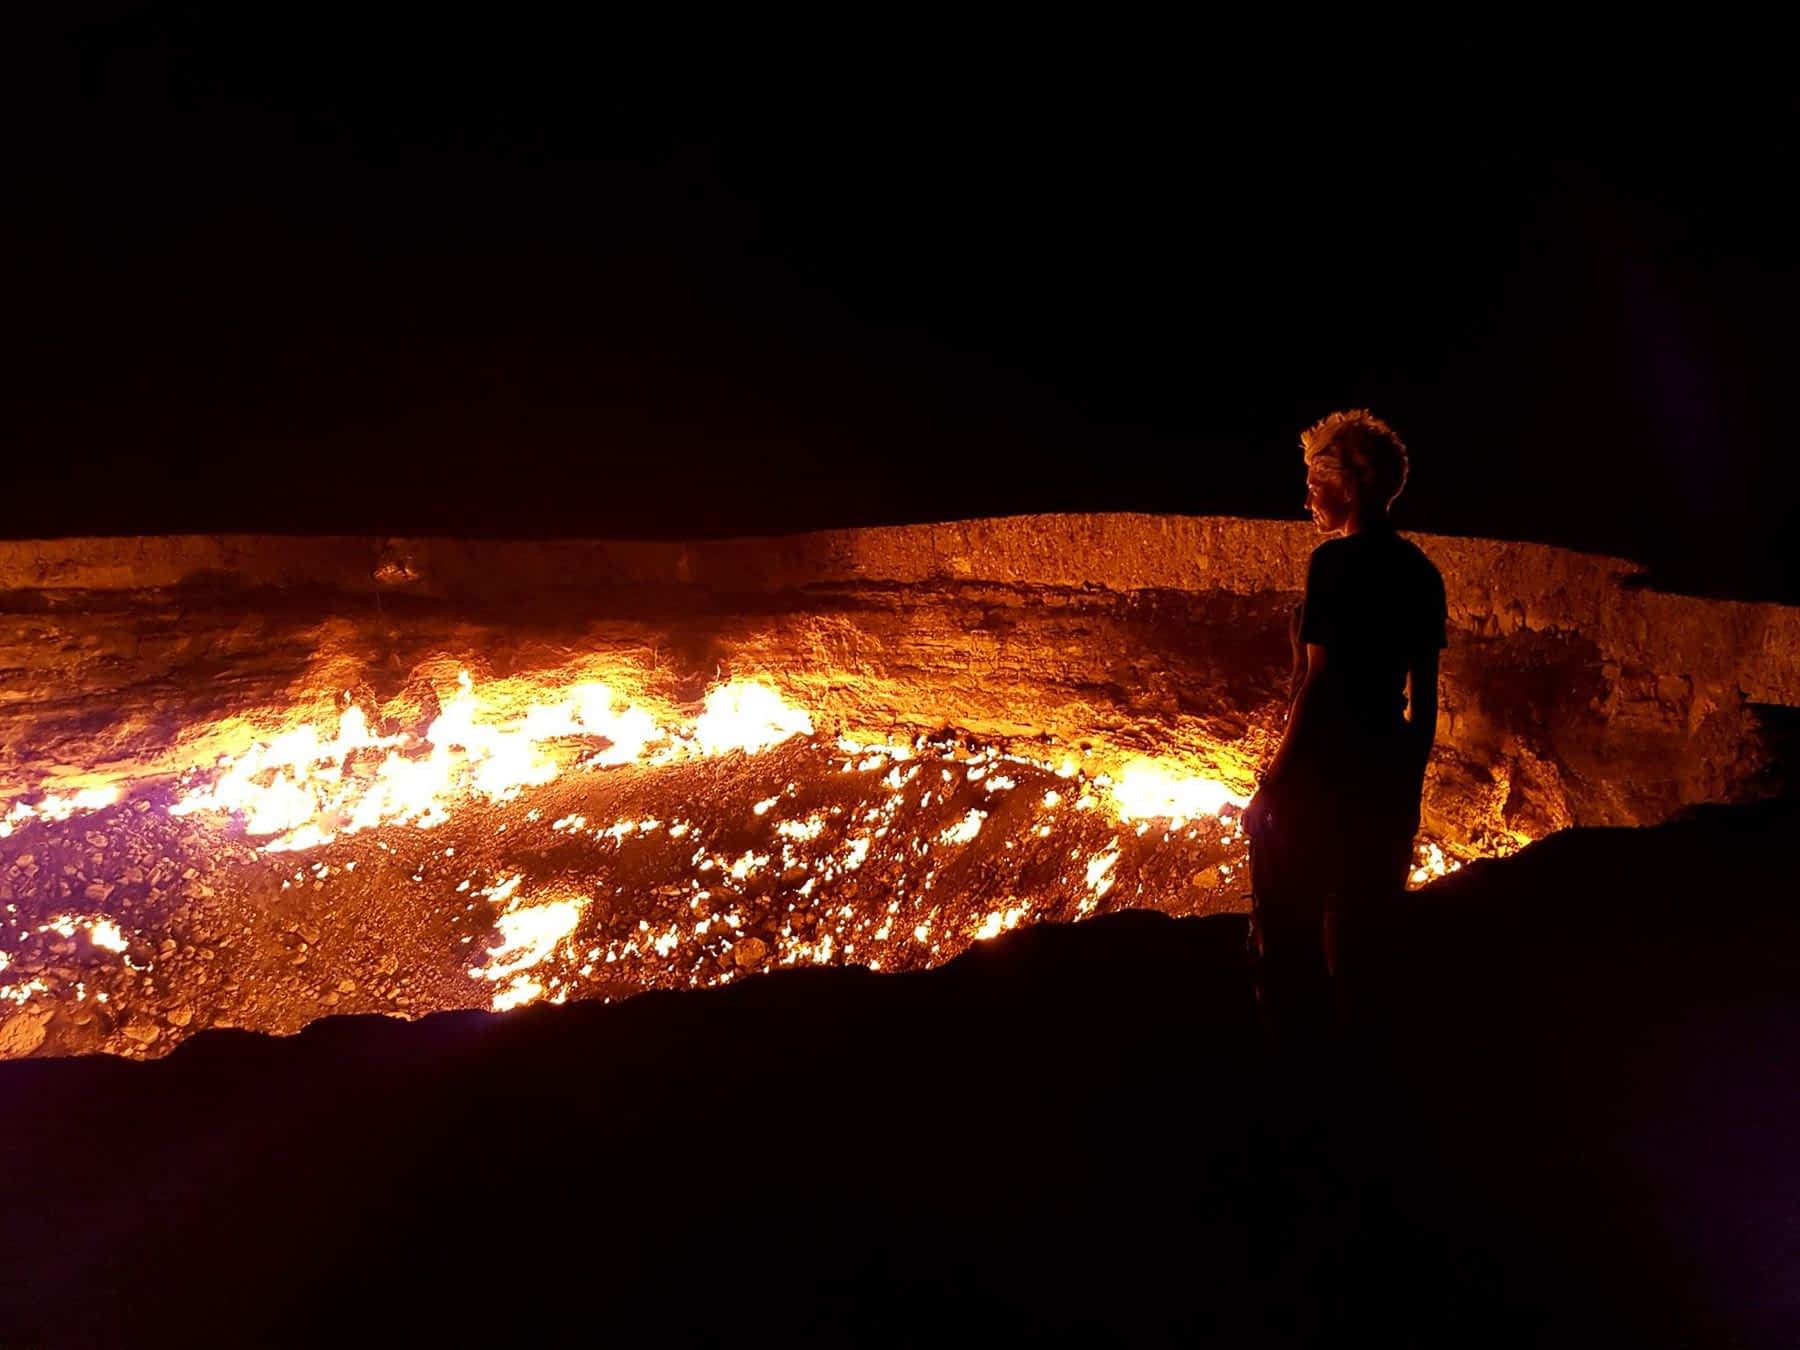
(1359, 450)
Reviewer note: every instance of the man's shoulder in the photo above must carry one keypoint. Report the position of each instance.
(1418, 558)
(1424, 580)
(1333, 551)
(1330, 567)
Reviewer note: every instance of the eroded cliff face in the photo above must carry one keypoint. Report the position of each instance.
(1569, 694)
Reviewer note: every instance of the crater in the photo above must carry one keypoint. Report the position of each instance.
(253, 781)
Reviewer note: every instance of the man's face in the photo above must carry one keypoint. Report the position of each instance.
(1326, 500)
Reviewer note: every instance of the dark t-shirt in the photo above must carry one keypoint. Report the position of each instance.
(1376, 604)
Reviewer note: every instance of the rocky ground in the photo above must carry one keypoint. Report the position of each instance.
(129, 929)
(1564, 1117)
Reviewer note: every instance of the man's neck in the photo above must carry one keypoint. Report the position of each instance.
(1375, 520)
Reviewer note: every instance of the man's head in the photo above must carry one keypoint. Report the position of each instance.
(1355, 467)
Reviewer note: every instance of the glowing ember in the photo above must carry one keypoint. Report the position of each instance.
(105, 934)
(965, 829)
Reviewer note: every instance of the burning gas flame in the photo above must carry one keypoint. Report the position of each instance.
(54, 806)
(1150, 790)
(529, 936)
(304, 788)
(749, 716)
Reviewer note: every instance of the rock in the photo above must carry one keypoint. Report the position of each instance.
(142, 1031)
(22, 1033)
(749, 953)
(96, 839)
(346, 986)
(98, 891)
(180, 1017)
(411, 711)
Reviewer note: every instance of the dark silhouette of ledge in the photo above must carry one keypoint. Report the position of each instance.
(1566, 1119)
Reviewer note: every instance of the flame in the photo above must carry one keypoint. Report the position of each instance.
(749, 716)
(529, 936)
(1431, 864)
(304, 788)
(1001, 921)
(965, 829)
(1150, 790)
(54, 806)
(1100, 879)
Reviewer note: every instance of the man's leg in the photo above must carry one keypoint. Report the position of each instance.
(1360, 918)
(1293, 983)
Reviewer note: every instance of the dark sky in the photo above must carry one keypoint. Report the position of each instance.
(285, 267)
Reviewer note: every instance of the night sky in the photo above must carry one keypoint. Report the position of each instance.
(290, 268)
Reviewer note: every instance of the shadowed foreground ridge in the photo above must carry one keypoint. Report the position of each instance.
(1573, 1123)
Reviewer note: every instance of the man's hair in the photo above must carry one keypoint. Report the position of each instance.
(1361, 450)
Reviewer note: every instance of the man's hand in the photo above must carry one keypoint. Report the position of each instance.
(1258, 813)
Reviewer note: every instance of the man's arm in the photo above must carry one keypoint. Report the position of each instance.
(1422, 705)
(1301, 714)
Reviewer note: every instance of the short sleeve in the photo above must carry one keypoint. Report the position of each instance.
(1322, 612)
(1434, 632)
